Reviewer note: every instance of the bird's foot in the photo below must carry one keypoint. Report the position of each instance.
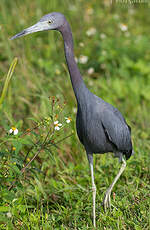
(106, 201)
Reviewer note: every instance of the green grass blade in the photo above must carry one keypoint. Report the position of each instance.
(8, 77)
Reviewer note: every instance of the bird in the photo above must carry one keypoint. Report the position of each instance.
(101, 127)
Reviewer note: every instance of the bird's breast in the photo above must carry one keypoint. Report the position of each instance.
(90, 131)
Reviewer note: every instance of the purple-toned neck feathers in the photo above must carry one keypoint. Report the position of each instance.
(74, 72)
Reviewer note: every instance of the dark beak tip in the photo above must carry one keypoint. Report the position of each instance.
(18, 35)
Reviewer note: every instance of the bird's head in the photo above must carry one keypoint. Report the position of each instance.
(52, 21)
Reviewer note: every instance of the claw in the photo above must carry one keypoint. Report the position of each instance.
(107, 201)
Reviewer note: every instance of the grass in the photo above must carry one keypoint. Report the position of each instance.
(8, 78)
(54, 190)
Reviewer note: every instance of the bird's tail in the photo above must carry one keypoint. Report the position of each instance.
(128, 154)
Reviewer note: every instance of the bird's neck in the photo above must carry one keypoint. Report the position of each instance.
(76, 78)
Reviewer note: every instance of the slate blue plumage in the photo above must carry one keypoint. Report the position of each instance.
(101, 128)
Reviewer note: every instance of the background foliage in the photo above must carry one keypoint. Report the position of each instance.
(54, 192)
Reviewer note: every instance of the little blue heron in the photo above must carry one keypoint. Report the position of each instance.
(101, 128)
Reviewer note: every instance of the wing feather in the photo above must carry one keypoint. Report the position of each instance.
(117, 130)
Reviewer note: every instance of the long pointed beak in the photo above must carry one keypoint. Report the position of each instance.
(35, 28)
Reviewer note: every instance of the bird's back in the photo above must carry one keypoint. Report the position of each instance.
(101, 127)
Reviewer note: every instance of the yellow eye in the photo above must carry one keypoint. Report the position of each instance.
(49, 22)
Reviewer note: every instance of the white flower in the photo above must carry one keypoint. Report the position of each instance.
(91, 31)
(13, 130)
(102, 36)
(83, 59)
(68, 119)
(123, 27)
(76, 59)
(90, 70)
(81, 44)
(9, 215)
(91, 83)
(57, 125)
(10, 131)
